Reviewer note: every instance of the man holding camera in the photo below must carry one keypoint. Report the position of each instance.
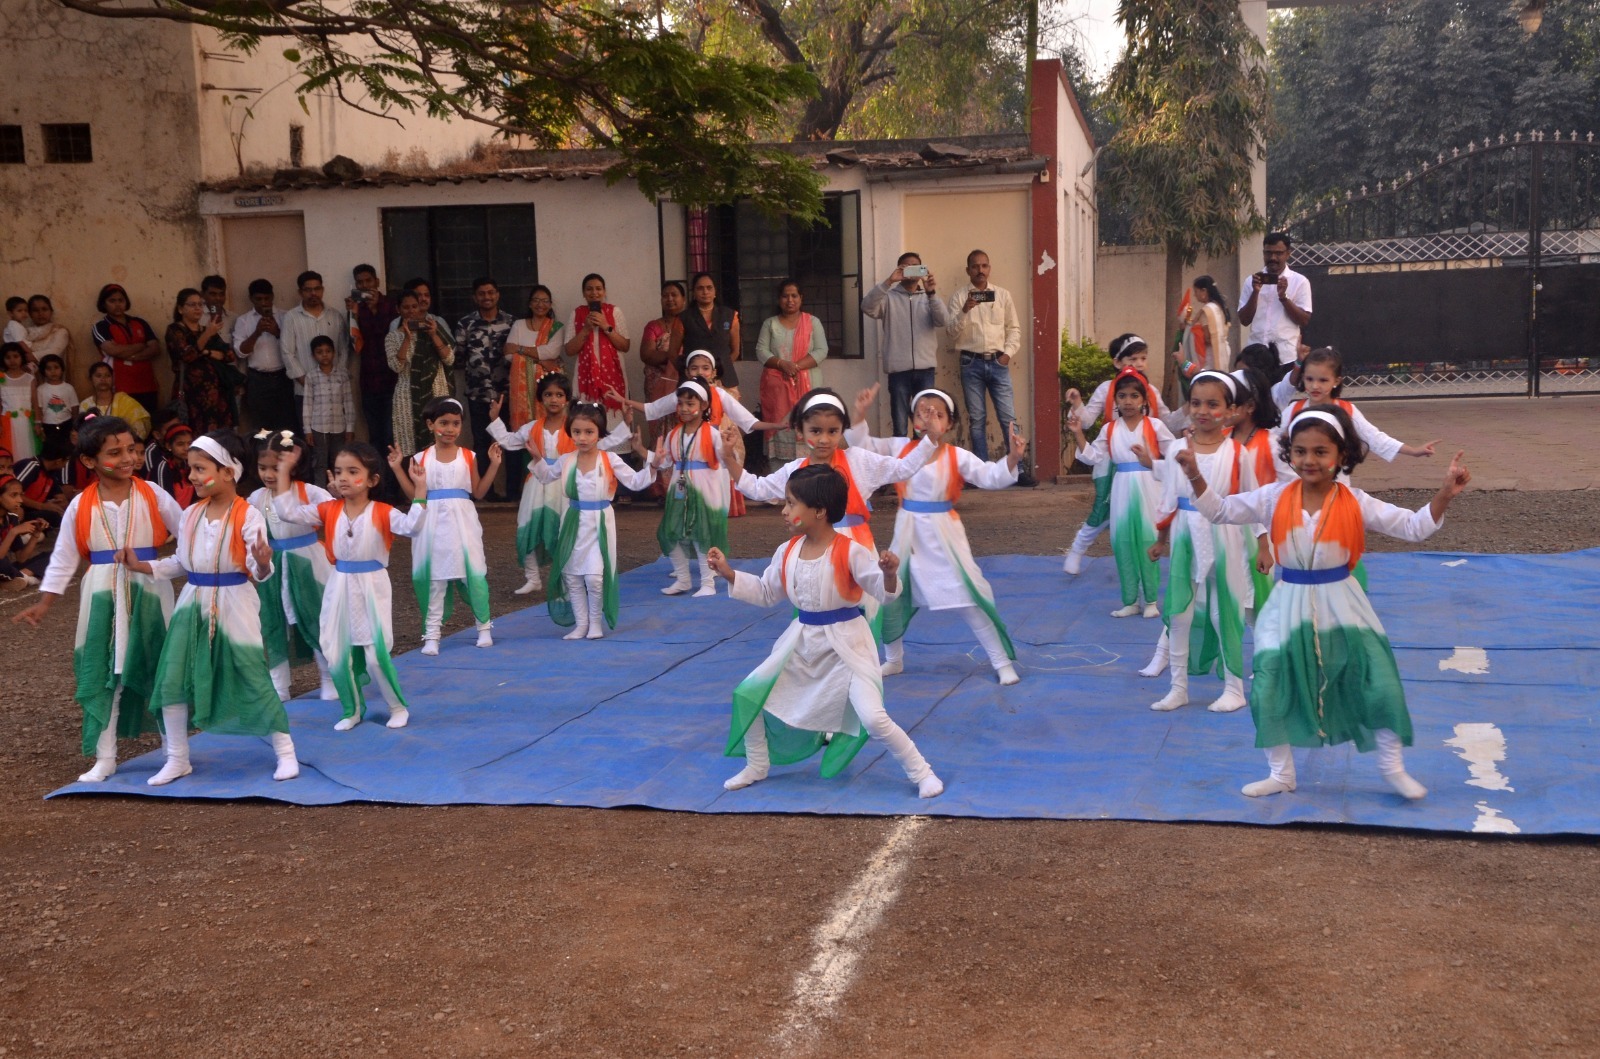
(1277, 302)
(912, 317)
(988, 335)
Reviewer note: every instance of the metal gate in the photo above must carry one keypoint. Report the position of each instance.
(1478, 275)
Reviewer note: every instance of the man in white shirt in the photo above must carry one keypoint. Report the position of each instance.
(268, 393)
(988, 335)
(311, 319)
(1277, 303)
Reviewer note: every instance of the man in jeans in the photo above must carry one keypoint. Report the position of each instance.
(371, 313)
(481, 336)
(988, 335)
(912, 316)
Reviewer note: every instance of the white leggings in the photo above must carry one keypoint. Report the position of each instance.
(106, 746)
(1179, 627)
(586, 593)
(1087, 534)
(982, 628)
(435, 615)
(175, 719)
(867, 700)
(281, 674)
(680, 566)
(1390, 760)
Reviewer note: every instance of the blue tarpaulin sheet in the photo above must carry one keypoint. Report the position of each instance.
(1498, 652)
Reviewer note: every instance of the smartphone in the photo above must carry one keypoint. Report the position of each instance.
(1268, 279)
(914, 271)
(983, 295)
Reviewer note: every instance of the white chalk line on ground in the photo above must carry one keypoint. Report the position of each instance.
(842, 938)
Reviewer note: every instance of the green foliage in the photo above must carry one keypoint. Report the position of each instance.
(1190, 100)
(685, 125)
(1083, 365)
(1368, 91)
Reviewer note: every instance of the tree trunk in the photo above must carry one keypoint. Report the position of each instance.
(1171, 393)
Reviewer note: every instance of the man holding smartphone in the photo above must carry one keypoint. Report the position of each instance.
(1276, 303)
(988, 334)
(911, 316)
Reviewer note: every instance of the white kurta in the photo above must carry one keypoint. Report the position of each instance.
(354, 605)
(594, 485)
(281, 529)
(662, 407)
(818, 662)
(450, 545)
(1381, 445)
(870, 471)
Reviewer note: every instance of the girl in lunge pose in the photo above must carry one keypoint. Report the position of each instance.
(291, 598)
(937, 569)
(122, 613)
(1131, 443)
(213, 669)
(822, 675)
(449, 549)
(356, 632)
(1324, 672)
(583, 570)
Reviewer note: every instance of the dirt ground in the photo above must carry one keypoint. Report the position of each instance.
(133, 927)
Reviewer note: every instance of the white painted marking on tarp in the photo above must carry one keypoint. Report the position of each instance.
(1491, 820)
(1455, 562)
(842, 938)
(1482, 746)
(1473, 661)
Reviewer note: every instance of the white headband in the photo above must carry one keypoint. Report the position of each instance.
(1240, 376)
(701, 390)
(452, 400)
(1227, 380)
(699, 353)
(1133, 340)
(949, 402)
(219, 455)
(1320, 416)
(826, 399)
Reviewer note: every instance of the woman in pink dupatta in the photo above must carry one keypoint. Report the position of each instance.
(791, 345)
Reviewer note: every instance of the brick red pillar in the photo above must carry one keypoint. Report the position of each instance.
(1046, 227)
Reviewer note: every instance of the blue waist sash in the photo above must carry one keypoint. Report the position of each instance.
(849, 522)
(289, 544)
(591, 505)
(1185, 504)
(927, 507)
(108, 556)
(449, 494)
(358, 566)
(1331, 575)
(829, 617)
(692, 465)
(1131, 465)
(201, 579)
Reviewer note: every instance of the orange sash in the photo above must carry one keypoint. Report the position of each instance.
(89, 502)
(856, 504)
(702, 441)
(1111, 394)
(947, 453)
(1296, 407)
(1339, 520)
(234, 518)
(330, 510)
(844, 582)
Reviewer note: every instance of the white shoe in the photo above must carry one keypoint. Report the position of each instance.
(744, 778)
(29, 580)
(1132, 610)
(707, 588)
(1158, 661)
(430, 647)
(530, 586)
(930, 786)
(579, 631)
(1407, 787)
(172, 770)
(288, 767)
(1073, 563)
(485, 638)
(1171, 701)
(891, 669)
(104, 769)
(1262, 788)
(1231, 700)
(344, 724)
(398, 718)
(1007, 674)
(677, 588)
(597, 630)
(1152, 610)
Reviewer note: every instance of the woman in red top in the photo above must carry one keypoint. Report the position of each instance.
(599, 338)
(129, 345)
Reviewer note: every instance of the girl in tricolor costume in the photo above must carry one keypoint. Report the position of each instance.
(1209, 576)
(1321, 376)
(543, 503)
(937, 570)
(820, 420)
(356, 633)
(1127, 351)
(1131, 443)
(695, 517)
(122, 614)
(1324, 672)
(213, 669)
(583, 570)
(822, 676)
(291, 599)
(449, 547)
